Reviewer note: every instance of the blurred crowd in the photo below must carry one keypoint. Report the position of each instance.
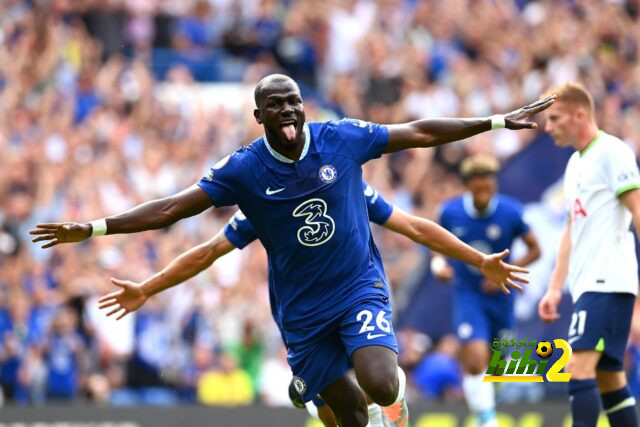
(85, 133)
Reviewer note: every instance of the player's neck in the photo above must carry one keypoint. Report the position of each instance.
(290, 150)
(587, 137)
(481, 209)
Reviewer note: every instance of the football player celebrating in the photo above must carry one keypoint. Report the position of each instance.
(300, 185)
(239, 232)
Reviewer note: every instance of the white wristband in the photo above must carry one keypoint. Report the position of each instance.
(438, 264)
(497, 121)
(99, 227)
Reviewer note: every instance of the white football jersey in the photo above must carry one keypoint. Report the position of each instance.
(603, 255)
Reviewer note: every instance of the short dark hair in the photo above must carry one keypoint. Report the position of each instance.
(271, 78)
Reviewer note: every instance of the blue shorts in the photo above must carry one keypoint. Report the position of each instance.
(318, 401)
(483, 317)
(325, 357)
(601, 321)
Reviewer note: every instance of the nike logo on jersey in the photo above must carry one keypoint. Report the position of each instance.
(371, 336)
(269, 191)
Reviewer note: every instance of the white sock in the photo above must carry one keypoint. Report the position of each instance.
(312, 410)
(480, 398)
(375, 415)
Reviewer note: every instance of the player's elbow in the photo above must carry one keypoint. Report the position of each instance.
(168, 213)
(205, 256)
(411, 135)
(416, 231)
(534, 252)
(164, 219)
(423, 139)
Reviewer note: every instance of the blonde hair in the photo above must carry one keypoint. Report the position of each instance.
(574, 93)
(479, 165)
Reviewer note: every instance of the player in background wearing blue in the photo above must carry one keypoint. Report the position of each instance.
(490, 222)
(597, 258)
(238, 233)
(300, 186)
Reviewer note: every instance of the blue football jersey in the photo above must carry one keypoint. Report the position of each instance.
(311, 217)
(240, 232)
(494, 231)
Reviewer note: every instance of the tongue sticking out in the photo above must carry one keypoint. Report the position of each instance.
(289, 132)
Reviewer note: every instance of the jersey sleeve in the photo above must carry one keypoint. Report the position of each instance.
(221, 182)
(365, 140)
(521, 226)
(239, 230)
(379, 209)
(621, 169)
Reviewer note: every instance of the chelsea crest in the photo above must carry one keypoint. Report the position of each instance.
(327, 173)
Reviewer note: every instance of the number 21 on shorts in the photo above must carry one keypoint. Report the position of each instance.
(578, 321)
(365, 316)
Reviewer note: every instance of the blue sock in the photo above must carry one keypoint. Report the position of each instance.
(585, 402)
(620, 407)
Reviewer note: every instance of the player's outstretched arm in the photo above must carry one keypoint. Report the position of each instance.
(533, 250)
(151, 215)
(133, 295)
(548, 305)
(438, 239)
(433, 132)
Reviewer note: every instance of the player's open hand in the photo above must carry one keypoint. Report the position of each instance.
(548, 306)
(517, 119)
(502, 274)
(60, 232)
(129, 298)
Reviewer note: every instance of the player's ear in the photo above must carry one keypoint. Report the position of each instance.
(256, 114)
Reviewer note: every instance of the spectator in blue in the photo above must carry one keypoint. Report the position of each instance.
(633, 372)
(632, 356)
(15, 340)
(63, 352)
(265, 28)
(151, 349)
(438, 375)
(199, 341)
(295, 51)
(191, 30)
(86, 98)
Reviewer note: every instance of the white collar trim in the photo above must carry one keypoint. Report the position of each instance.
(307, 142)
(470, 209)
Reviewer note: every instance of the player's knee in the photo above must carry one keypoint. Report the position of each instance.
(383, 390)
(474, 362)
(580, 369)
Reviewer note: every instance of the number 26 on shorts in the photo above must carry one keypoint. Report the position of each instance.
(366, 316)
